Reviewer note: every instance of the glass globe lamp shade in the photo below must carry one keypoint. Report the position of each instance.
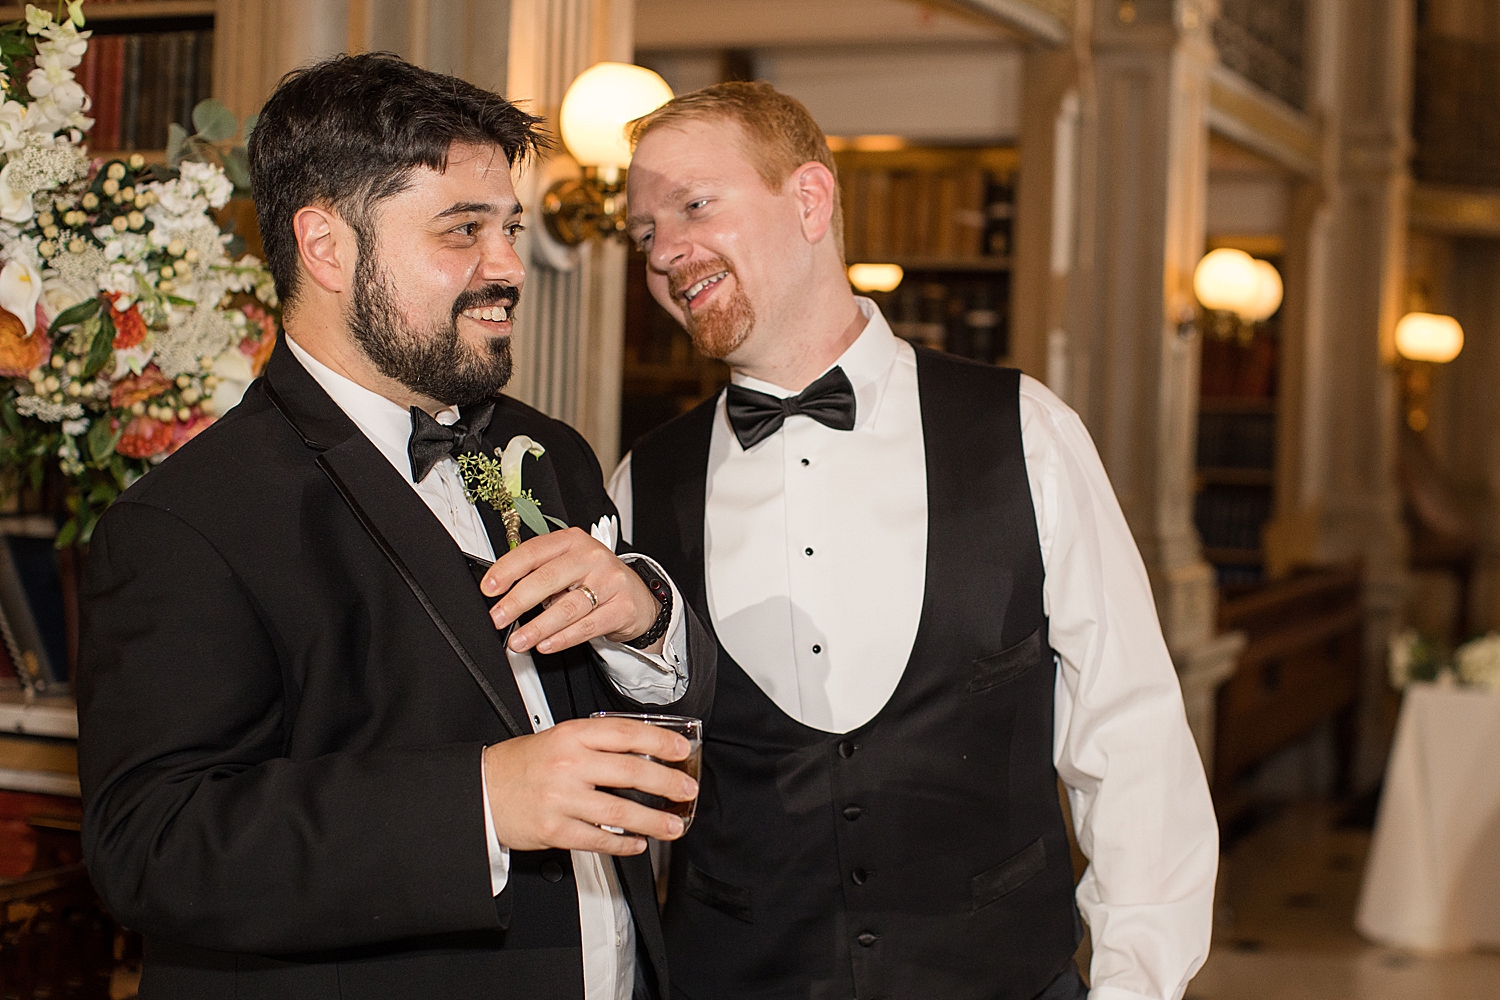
(1227, 280)
(1428, 337)
(1268, 293)
(875, 277)
(600, 103)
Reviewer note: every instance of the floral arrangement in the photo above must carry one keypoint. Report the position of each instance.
(125, 325)
(499, 485)
(1415, 658)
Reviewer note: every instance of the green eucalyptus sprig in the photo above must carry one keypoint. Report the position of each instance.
(498, 483)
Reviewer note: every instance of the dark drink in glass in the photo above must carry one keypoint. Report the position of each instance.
(691, 730)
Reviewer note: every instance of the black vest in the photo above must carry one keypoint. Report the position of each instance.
(924, 853)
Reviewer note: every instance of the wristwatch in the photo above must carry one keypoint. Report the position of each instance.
(663, 593)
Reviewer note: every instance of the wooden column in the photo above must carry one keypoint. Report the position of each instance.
(1132, 361)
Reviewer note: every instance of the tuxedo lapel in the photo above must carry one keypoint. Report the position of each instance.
(404, 528)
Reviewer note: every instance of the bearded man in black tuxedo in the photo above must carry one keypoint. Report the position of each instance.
(315, 760)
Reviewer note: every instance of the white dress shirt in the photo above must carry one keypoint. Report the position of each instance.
(604, 917)
(816, 545)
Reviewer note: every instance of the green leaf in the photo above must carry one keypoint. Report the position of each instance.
(74, 314)
(531, 514)
(214, 121)
(177, 138)
(101, 441)
(102, 351)
(237, 168)
(557, 521)
(67, 533)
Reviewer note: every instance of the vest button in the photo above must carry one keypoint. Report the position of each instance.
(852, 813)
(859, 875)
(552, 871)
(867, 939)
(846, 749)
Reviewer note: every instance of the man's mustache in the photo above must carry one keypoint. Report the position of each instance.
(680, 281)
(490, 295)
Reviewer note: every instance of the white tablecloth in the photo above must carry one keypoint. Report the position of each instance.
(1433, 877)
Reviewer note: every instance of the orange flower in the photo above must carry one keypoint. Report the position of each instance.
(20, 352)
(182, 432)
(144, 437)
(130, 328)
(134, 389)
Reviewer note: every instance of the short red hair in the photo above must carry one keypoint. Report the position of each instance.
(780, 134)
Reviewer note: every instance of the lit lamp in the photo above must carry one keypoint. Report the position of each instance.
(1229, 283)
(875, 277)
(598, 105)
(1424, 339)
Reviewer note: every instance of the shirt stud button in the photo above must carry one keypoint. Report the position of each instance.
(807, 551)
(552, 871)
(859, 875)
(807, 461)
(867, 939)
(852, 813)
(817, 649)
(846, 749)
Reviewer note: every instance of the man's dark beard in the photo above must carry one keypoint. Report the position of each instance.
(433, 363)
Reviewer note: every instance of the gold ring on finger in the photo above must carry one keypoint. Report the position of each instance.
(587, 592)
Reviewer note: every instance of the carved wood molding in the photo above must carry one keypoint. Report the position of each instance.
(1240, 111)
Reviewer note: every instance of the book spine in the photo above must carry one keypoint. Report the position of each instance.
(130, 92)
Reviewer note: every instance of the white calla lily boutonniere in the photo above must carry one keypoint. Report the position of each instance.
(498, 483)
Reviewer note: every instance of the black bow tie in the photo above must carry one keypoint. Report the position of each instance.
(755, 416)
(431, 442)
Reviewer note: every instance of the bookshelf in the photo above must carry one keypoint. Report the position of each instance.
(1235, 478)
(148, 63)
(945, 215)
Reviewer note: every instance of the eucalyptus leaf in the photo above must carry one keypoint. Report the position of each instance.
(532, 515)
(67, 533)
(101, 441)
(102, 351)
(214, 121)
(177, 138)
(73, 314)
(556, 520)
(237, 168)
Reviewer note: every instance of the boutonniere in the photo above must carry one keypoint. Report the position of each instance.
(498, 483)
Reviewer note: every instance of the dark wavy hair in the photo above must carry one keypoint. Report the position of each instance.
(348, 132)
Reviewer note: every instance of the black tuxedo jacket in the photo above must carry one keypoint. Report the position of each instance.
(287, 676)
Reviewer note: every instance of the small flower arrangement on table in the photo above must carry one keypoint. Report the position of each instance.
(1415, 657)
(125, 324)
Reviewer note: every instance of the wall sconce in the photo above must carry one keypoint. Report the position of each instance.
(1231, 283)
(875, 277)
(1424, 339)
(598, 105)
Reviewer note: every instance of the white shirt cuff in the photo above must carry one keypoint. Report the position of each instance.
(499, 856)
(650, 678)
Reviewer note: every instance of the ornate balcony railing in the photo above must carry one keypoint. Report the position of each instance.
(1456, 113)
(1265, 41)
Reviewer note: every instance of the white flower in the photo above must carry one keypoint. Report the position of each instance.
(607, 531)
(15, 204)
(232, 369)
(209, 179)
(1478, 661)
(20, 288)
(510, 461)
(74, 428)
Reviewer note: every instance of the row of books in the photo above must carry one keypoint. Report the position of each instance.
(1237, 440)
(901, 214)
(1231, 517)
(141, 83)
(963, 313)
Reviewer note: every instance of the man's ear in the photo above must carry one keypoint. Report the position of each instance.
(813, 185)
(326, 245)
